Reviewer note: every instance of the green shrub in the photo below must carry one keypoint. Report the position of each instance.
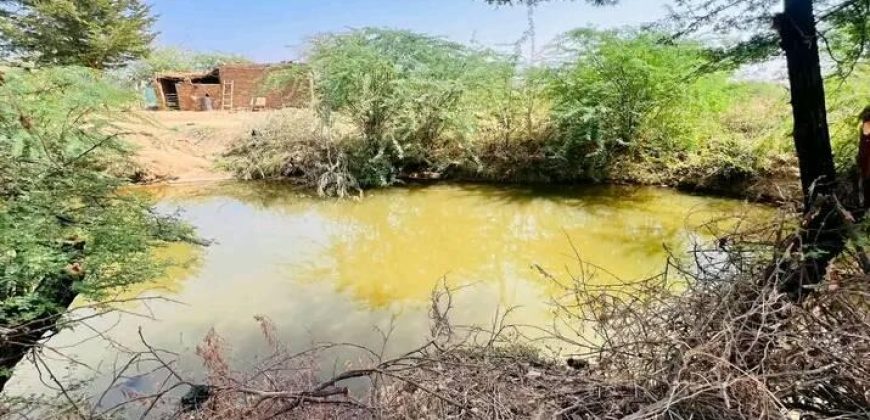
(628, 106)
(399, 89)
(625, 91)
(419, 102)
(295, 144)
(57, 140)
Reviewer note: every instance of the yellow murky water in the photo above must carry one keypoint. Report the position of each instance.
(328, 270)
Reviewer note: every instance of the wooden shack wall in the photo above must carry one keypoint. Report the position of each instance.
(248, 83)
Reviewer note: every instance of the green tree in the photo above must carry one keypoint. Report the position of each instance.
(796, 30)
(98, 34)
(618, 81)
(139, 74)
(66, 227)
(402, 91)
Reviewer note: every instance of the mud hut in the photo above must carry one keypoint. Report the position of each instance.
(230, 87)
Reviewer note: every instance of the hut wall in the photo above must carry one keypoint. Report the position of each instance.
(158, 91)
(249, 82)
(190, 95)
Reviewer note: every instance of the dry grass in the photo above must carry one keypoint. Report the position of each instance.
(183, 146)
(293, 144)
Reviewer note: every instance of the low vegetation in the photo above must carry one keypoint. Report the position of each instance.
(618, 106)
(294, 144)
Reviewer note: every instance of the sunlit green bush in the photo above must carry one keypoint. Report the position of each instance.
(627, 106)
(401, 90)
(58, 140)
(632, 92)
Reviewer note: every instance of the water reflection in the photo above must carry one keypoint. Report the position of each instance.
(394, 244)
(327, 270)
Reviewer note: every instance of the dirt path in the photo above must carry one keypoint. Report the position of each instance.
(177, 146)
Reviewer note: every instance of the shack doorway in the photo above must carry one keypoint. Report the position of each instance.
(170, 94)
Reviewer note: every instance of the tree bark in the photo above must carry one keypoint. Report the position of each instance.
(811, 138)
(822, 237)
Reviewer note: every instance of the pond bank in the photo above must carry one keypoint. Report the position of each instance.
(342, 159)
(186, 147)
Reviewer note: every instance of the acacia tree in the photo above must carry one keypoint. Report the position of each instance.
(795, 31)
(91, 33)
(66, 226)
(158, 60)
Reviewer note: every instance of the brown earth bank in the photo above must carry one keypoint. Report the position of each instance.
(185, 146)
(182, 146)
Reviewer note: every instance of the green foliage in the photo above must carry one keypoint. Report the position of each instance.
(57, 138)
(629, 106)
(630, 95)
(407, 95)
(619, 88)
(846, 99)
(749, 25)
(92, 33)
(420, 104)
(140, 72)
(394, 103)
(294, 79)
(848, 39)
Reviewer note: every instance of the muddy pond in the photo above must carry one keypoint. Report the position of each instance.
(347, 271)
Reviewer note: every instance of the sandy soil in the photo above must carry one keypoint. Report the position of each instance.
(176, 146)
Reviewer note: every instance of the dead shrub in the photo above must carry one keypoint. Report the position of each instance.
(294, 145)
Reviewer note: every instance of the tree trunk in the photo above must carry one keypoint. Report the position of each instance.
(811, 139)
(822, 237)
